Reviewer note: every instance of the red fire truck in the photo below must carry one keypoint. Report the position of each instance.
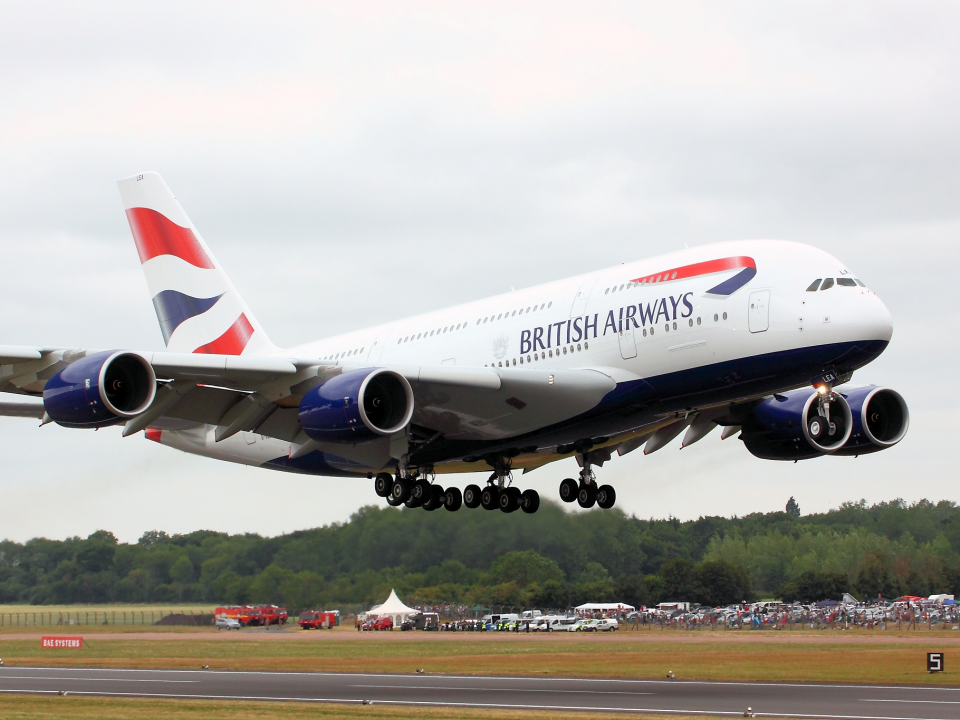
(316, 619)
(254, 615)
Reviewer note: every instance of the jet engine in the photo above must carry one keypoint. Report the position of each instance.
(880, 420)
(99, 390)
(357, 406)
(798, 425)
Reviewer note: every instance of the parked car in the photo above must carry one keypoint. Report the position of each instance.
(576, 627)
(384, 623)
(607, 625)
(225, 623)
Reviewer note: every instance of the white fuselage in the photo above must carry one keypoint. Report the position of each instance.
(604, 319)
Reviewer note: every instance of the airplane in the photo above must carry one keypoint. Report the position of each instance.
(758, 337)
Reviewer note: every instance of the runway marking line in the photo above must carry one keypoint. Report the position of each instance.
(934, 702)
(499, 706)
(501, 678)
(87, 679)
(502, 689)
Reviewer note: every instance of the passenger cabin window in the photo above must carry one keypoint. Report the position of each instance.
(814, 285)
(846, 282)
(827, 284)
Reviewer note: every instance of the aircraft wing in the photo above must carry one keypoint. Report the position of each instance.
(262, 393)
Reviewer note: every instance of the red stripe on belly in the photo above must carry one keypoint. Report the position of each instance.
(232, 342)
(155, 235)
(704, 268)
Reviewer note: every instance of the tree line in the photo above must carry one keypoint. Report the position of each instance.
(553, 559)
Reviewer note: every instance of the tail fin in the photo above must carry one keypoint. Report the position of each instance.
(199, 309)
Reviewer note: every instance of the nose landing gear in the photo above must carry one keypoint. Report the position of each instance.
(586, 492)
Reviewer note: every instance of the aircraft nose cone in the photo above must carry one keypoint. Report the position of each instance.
(880, 319)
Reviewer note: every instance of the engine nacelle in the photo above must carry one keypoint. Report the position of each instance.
(789, 426)
(357, 406)
(99, 390)
(880, 420)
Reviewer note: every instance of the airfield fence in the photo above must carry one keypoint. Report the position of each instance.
(58, 618)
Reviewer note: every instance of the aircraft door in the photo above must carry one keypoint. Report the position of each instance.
(628, 343)
(377, 348)
(579, 306)
(759, 311)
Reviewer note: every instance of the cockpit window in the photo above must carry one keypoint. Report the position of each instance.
(860, 282)
(827, 284)
(846, 282)
(814, 285)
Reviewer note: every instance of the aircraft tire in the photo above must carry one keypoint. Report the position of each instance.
(817, 427)
(453, 499)
(434, 499)
(399, 491)
(382, 483)
(490, 498)
(471, 496)
(587, 496)
(568, 490)
(531, 501)
(606, 497)
(421, 491)
(516, 498)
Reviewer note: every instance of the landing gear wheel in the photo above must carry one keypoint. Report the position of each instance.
(434, 498)
(399, 492)
(490, 497)
(817, 427)
(471, 496)
(510, 499)
(382, 483)
(568, 490)
(587, 495)
(452, 499)
(530, 501)
(421, 491)
(413, 501)
(606, 497)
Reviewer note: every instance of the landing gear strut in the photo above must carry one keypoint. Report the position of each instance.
(821, 427)
(500, 493)
(586, 492)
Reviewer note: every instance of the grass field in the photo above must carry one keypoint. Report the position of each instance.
(19, 617)
(83, 708)
(824, 657)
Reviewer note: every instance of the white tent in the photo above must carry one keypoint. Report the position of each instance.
(394, 608)
(604, 608)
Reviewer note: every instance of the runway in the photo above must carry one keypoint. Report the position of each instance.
(518, 693)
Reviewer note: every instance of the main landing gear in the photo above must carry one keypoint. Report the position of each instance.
(412, 489)
(501, 494)
(586, 492)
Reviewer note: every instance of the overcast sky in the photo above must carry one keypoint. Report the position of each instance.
(353, 163)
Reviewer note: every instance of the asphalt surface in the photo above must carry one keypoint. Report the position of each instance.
(655, 696)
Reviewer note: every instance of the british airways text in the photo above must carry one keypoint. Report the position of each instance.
(579, 328)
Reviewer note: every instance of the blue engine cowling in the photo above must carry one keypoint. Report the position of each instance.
(789, 426)
(99, 390)
(357, 406)
(880, 420)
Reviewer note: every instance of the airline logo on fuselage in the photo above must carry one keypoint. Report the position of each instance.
(746, 265)
(666, 309)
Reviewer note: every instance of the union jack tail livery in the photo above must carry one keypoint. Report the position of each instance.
(199, 309)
